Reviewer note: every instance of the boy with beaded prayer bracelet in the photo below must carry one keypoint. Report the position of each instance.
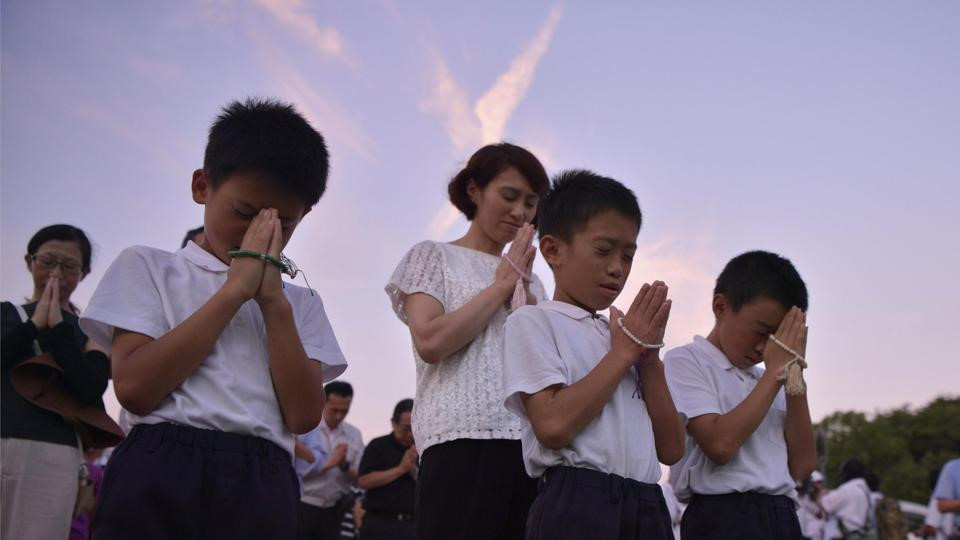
(591, 393)
(218, 362)
(748, 441)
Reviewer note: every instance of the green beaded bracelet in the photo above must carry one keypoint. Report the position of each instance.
(256, 254)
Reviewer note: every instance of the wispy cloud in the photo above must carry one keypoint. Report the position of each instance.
(495, 107)
(292, 85)
(295, 14)
(485, 121)
(449, 100)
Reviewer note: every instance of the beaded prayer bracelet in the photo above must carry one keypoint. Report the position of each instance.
(796, 356)
(635, 339)
(256, 254)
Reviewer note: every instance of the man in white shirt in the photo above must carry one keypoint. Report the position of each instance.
(326, 484)
(851, 503)
(747, 442)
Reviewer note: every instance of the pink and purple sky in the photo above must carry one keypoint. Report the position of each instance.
(828, 132)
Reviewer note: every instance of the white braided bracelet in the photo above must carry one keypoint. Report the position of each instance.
(796, 355)
(635, 339)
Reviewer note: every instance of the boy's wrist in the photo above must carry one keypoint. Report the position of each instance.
(272, 304)
(232, 295)
(650, 362)
(772, 376)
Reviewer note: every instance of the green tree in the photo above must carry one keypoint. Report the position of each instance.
(900, 446)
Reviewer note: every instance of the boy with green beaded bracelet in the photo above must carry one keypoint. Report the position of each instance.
(218, 363)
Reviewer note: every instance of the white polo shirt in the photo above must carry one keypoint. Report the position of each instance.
(559, 343)
(151, 291)
(852, 503)
(703, 381)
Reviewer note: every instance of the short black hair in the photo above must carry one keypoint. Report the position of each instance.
(756, 274)
(851, 469)
(578, 195)
(340, 388)
(63, 233)
(272, 140)
(405, 405)
(189, 236)
(486, 163)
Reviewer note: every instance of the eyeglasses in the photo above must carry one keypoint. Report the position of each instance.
(47, 262)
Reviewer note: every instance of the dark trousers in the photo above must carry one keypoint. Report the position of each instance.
(741, 516)
(473, 489)
(384, 526)
(317, 523)
(168, 481)
(577, 503)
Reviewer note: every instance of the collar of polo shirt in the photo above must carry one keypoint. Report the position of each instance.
(202, 258)
(721, 360)
(570, 310)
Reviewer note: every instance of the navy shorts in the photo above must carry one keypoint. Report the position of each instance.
(170, 481)
(741, 516)
(576, 503)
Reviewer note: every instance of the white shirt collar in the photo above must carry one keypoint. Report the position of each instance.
(720, 359)
(570, 310)
(202, 258)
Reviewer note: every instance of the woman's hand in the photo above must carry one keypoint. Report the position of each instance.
(47, 313)
(521, 252)
(54, 317)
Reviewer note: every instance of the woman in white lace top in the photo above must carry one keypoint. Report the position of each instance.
(455, 297)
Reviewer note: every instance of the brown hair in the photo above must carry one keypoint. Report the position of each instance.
(486, 163)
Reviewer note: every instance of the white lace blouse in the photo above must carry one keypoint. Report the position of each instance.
(462, 396)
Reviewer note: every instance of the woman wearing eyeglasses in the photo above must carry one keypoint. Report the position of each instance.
(40, 451)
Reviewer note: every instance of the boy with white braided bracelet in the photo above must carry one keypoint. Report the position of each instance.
(590, 392)
(749, 434)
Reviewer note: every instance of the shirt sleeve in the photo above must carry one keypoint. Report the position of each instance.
(421, 270)
(16, 343)
(127, 297)
(689, 387)
(531, 360)
(316, 333)
(836, 499)
(948, 483)
(314, 441)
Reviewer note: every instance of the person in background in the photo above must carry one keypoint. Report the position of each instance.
(388, 473)
(809, 513)
(80, 528)
(852, 502)
(947, 492)
(327, 483)
(193, 235)
(40, 451)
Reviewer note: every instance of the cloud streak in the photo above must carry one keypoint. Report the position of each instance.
(495, 107)
(325, 116)
(485, 121)
(295, 15)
